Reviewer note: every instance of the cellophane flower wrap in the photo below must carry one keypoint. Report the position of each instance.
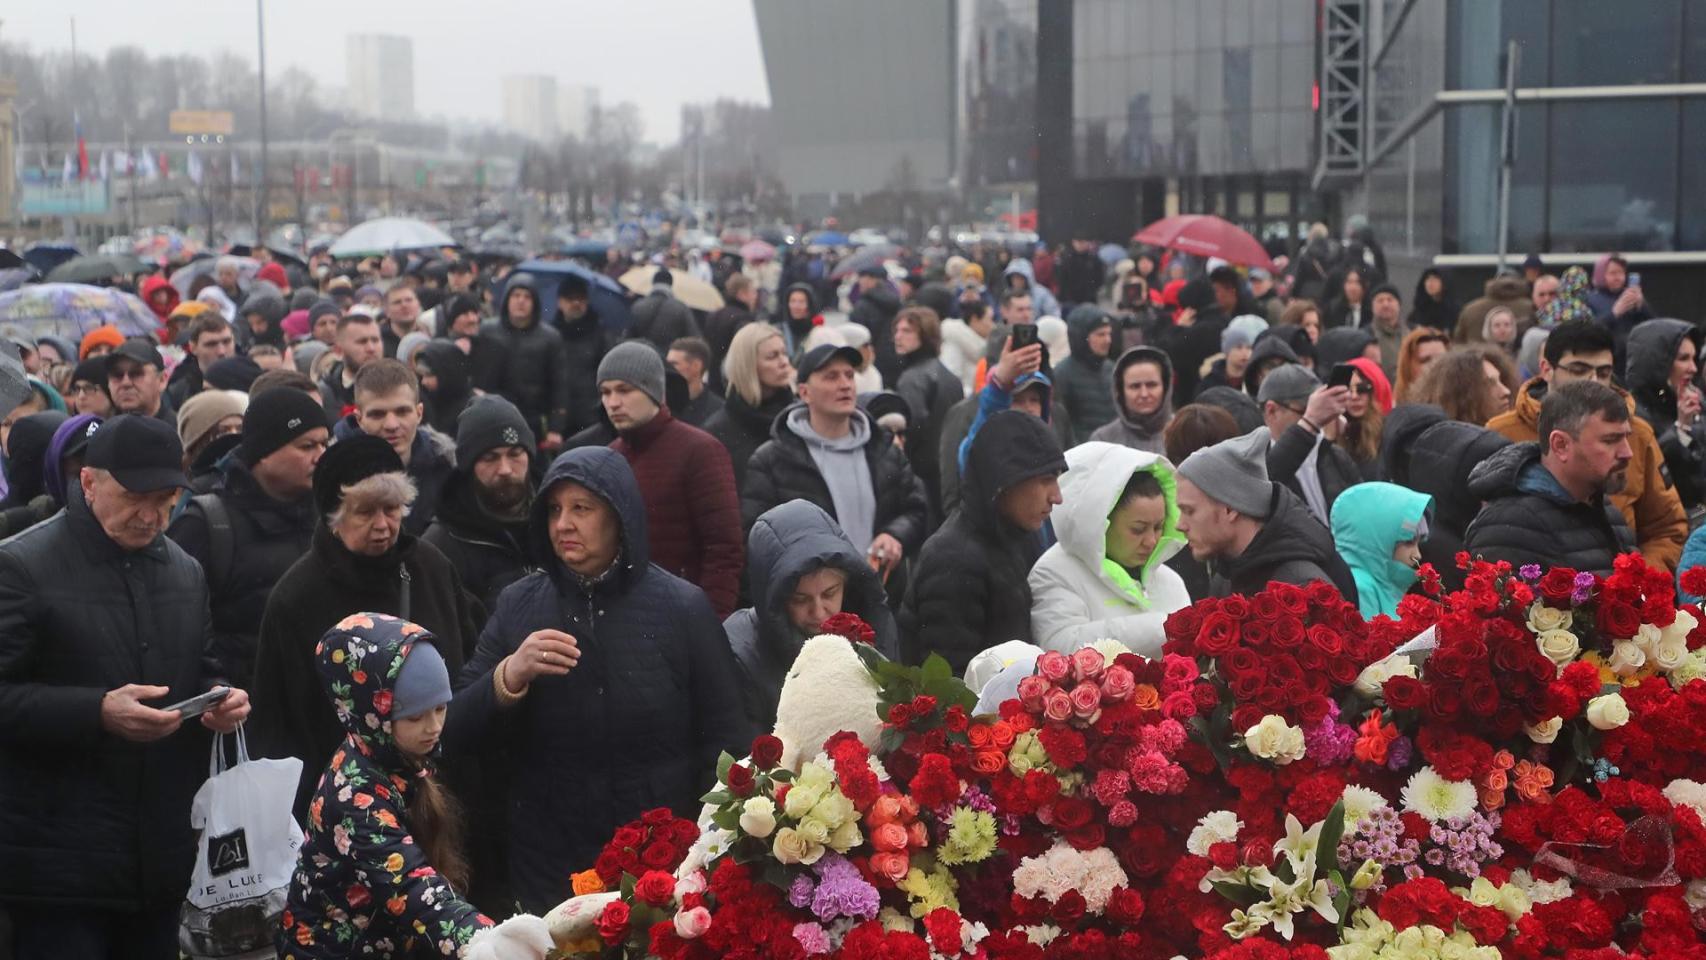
(1515, 770)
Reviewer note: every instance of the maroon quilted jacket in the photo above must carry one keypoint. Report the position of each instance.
(692, 510)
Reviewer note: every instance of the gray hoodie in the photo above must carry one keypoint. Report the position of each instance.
(845, 471)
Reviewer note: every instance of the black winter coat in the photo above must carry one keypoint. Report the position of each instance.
(743, 428)
(1440, 461)
(291, 715)
(488, 552)
(971, 591)
(784, 470)
(720, 330)
(1189, 347)
(89, 820)
(661, 319)
(1292, 547)
(931, 390)
(535, 373)
(958, 424)
(1084, 382)
(1528, 518)
(585, 342)
(267, 537)
(638, 723)
(787, 543)
(432, 459)
(875, 311)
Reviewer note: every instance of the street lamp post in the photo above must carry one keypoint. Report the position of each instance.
(261, 167)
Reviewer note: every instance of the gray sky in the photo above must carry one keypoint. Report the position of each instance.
(658, 53)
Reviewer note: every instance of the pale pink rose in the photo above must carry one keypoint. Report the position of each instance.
(1118, 684)
(692, 924)
(1057, 705)
(1087, 663)
(690, 884)
(1054, 666)
(1031, 690)
(1086, 699)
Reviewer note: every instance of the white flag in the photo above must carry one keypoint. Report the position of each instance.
(233, 168)
(195, 167)
(106, 164)
(68, 172)
(150, 167)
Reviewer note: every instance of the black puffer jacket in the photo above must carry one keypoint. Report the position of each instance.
(488, 552)
(787, 543)
(661, 319)
(267, 537)
(1652, 350)
(1404, 424)
(88, 820)
(535, 373)
(743, 428)
(638, 723)
(971, 591)
(930, 390)
(1441, 459)
(1292, 547)
(585, 342)
(450, 368)
(875, 312)
(1529, 518)
(1084, 382)
(292, 717)
(784, 470)
(720, 330)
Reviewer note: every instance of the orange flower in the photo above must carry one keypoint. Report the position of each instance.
(362, 801)
(1503, 760)
(1021, 723)
(585, 882)
(887, 809)
(988, 762)
(888, 837)
(979, 735)
(1003, 733)
(1145, 697)
(917, 835)
(1492, 799)
(1533, 781)
(1375, 738)
(386, 817)
(396, 905)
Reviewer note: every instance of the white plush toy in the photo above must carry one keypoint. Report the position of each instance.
(828, 690)
(518, 938)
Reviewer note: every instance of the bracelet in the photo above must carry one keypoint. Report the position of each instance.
(1312, 425)
(506, 697)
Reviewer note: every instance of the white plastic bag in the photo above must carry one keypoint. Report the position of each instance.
(247, 842)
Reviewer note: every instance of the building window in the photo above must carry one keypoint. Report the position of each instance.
(1595, 43)
(1614, 175)
(1692, 231)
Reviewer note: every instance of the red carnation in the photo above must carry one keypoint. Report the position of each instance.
(1693, 581)
(943, 926)
(766, 751)
(1069, 908)
(935, 784)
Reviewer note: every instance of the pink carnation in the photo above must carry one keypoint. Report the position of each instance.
(1110, 786)
(1153, 773)
(1122, 814)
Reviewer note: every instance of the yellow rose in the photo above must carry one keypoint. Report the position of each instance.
(801, 799)
(1608, 712)
(845, 837)
(758, 817)
(834, 809)
(1542, 618)
(1626, 658)
(1559, 646)
(791, 846)
(1545, 731)
(1274, 739)
(815, 830)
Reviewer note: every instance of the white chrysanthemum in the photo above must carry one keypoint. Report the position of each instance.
(1360, 804)
(1221, 826)
(1435, 798)
(1542, 891)
(1109, 648)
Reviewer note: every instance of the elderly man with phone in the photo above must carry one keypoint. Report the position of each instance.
(103, 636)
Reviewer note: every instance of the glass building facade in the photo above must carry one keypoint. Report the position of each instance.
(997, 89)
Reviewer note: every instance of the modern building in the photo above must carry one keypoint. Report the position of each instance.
(379, 73)
(530, 106)
(862, 95)
(577, 104)
(997, 104)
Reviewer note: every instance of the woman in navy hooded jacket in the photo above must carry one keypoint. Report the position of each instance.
(608, 679)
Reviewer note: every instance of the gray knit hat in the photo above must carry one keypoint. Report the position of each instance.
(1234, 472)
(1288, 383)
(635, 362)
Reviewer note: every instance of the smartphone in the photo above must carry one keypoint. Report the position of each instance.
(1024, 335)
(1341, 375)
(196, 706)
(1634, 279)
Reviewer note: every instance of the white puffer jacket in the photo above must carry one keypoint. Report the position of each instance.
(1078, 596)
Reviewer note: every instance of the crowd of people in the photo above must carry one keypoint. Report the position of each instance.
(417, 516)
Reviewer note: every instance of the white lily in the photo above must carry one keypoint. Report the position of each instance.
(1285, 899)
(1244, 924)
(1299, 846)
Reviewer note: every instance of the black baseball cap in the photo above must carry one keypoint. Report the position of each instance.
(142, 453)
(136, 350)
(819, 357)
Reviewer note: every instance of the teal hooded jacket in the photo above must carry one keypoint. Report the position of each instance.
(1369, 521)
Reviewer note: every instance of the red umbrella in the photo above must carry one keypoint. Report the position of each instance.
(1203, 235)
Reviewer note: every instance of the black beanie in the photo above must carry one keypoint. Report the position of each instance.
(490, 422)
(346, 463)
(320, 308)
(232, 373)
(274, 419)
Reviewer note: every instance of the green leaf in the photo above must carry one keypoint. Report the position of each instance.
(728, 819)
(1238, 893)
(1342, 903)
(724, 762)
(627, 888)
(717, 797)
(1332, 830)
(782, 774)
(936, 668)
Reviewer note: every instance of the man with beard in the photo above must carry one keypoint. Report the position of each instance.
(482, 520)
(1549, 501)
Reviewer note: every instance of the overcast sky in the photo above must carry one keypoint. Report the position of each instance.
(658, 53)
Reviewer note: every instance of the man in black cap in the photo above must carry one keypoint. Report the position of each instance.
(659, 317)
(482, 518)
(875, 311)
(136, 380)
(103, 622)
(826, 450)
(258, 518)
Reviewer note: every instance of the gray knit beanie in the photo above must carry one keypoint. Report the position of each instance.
(422, 684)
(1234, 472)
(637, 363)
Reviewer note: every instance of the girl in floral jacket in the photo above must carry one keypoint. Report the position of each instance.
(379, 870)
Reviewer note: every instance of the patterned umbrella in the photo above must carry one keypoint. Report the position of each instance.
(71, 310)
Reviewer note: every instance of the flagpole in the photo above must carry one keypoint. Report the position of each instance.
(261, 169)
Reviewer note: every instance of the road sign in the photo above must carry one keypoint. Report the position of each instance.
(202, 122)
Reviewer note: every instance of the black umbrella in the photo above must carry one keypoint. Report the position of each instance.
(10, 260)
(46, 256)
(97, 267)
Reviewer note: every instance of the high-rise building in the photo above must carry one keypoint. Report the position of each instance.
(380, 74)
(576, 106)
(530, 106)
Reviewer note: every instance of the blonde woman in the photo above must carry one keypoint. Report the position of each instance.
(761, 385)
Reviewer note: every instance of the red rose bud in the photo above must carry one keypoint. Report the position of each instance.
(1255, 853)
(740, 780)
(766, 751)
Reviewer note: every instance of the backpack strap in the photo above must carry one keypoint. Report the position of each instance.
(221, 539)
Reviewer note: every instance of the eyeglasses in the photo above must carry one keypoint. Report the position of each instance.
(134, 373)
(1362, 389)
(84, 388)
(1584, 370)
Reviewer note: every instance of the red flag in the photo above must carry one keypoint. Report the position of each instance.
(82, 149)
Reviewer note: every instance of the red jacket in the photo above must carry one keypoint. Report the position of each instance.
(692, 511)
(157, 282)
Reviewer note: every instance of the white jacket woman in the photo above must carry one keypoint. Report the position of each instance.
(1107, 576)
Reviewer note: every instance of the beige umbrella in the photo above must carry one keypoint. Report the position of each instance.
(689, 289)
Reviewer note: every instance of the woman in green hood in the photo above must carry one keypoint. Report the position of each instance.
(1379, 529)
